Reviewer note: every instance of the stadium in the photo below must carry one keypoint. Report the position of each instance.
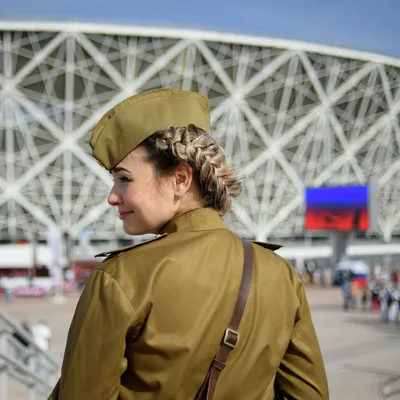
(290, 115)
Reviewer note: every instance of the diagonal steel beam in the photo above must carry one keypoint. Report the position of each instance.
(248, 87)
(93, 214)
(36, 59)
(216, 66)
(354, 147)
(101, 60)
(275, 149)
(303, 122)
(34, 210)
(390, 172)
(38, 114)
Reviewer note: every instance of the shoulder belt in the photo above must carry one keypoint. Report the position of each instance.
(113, 253)
(230, 338)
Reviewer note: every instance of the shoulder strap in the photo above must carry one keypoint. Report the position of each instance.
(231, 335)
(117, 252)
(269, 246)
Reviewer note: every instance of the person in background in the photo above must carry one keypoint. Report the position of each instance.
(393, 308)
(384, 299)
(42, 335)
(375, 289)
(347, 294)
(364, 297)
(310, 267)
(395, 277)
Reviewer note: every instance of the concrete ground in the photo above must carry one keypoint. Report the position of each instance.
(359, 351)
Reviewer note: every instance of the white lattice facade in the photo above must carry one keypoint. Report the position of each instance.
(289, 115)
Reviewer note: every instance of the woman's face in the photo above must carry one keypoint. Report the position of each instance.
(145, 201)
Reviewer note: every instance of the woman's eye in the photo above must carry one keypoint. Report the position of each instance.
(124, 179)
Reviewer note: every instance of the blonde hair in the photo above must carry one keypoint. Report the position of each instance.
(217, 179)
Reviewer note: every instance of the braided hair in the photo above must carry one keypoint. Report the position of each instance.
(217, 179)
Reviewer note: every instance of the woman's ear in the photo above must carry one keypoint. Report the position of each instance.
(183, 178)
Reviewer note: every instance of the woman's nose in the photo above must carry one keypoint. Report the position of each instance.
(113, 198)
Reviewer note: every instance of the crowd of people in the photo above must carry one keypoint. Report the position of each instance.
(378, 291)
(381, 294)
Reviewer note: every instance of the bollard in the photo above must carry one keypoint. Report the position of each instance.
(8, 295)
(3, 367)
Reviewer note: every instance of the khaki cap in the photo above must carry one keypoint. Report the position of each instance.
(136, 118)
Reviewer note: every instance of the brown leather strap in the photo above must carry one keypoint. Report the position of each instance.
(231, 335)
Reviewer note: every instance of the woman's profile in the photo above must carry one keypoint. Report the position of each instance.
(151, 318)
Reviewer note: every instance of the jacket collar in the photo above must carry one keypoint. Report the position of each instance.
(201, 219)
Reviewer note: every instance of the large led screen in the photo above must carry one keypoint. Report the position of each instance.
(343, 208)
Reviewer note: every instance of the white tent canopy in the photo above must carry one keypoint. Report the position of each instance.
(21, 256)
(357, 267)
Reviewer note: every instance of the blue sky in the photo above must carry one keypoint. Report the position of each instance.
(362, 25)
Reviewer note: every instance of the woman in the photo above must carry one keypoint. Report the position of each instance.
(151, 317)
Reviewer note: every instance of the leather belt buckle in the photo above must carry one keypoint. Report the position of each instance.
(231, 338)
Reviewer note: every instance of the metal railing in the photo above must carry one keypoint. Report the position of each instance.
(25, 363)
(390, 389)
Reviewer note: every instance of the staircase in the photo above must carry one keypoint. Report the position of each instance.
(26, 371)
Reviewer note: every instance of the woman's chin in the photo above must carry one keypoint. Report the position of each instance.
(135, 230)
(132, 231)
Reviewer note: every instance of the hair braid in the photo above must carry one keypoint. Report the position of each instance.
(217, 179)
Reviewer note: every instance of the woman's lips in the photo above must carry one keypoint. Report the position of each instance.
(123, 215)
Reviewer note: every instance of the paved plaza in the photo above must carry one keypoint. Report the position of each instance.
(359, 351)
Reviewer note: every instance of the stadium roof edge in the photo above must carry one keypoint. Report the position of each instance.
(96, 28)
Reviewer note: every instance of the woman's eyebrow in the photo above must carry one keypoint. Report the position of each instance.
(120, 169)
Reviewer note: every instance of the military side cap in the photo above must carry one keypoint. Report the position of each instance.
(136, 118)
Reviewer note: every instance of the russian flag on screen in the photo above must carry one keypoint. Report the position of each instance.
(360, 279)
(337, 208)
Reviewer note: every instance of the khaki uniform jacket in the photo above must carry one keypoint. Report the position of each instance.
(151, 319)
